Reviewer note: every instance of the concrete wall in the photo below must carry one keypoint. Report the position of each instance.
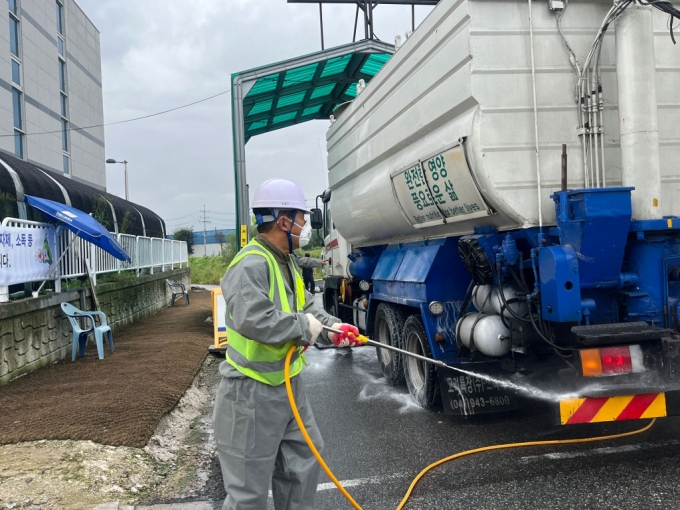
(35, 333)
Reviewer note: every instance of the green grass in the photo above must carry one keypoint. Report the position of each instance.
(207, 270)
(84, 282)
(314, 252)
(210, 270)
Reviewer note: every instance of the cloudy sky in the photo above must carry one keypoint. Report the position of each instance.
(160, 54)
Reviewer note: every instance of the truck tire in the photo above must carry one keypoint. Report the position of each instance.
(421, 377)
(389, 324)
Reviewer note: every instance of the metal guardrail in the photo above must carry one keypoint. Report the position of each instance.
(145, 253)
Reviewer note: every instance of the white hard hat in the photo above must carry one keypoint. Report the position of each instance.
(280, 194)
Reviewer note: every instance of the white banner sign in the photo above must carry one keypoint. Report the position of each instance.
(26, 254)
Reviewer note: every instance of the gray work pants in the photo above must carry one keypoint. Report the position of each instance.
(258, 442)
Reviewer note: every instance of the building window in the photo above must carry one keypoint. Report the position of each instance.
(14, 35)
(60, 18)
(18, 144)
(18, 123)
(64, 135)
(16, 72)
(62, 75)
(16, 105)
(17, 93)
(63, 97)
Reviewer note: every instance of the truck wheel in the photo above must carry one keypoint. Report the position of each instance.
(388, 327)
(421, 377)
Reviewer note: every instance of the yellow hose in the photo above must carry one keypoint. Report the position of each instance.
(293, 406)
(516, 445)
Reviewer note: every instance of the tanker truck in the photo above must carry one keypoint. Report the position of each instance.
(504, 198)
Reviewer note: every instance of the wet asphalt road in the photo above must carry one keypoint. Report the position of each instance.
(377, 441)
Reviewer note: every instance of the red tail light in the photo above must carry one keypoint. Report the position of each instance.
(623, 359)
(616, 360)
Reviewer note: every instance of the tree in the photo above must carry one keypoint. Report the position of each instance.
(101, 211)
(252, 233)
(230, 248)
(185, 234)
(8, 206)
(219, 238)
(317, 239)
(128, 223)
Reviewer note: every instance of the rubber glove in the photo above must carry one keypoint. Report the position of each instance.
(315, 327)
(348, 338)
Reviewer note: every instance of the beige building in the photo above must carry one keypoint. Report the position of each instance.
(50, 87)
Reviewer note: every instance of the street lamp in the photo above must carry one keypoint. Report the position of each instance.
(111, 161)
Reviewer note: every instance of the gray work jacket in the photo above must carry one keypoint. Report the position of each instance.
(245, 288)
(308, 262)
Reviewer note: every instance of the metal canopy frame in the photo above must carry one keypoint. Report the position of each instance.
(273, 97)
(367, 6)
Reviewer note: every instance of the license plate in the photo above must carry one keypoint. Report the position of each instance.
(468, 395)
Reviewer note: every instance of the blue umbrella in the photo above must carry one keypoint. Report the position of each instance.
(81, 223)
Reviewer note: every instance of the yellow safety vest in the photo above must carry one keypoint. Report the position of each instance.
(263, 362)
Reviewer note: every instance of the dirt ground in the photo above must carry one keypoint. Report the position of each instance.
(119, 400)
(163, 457)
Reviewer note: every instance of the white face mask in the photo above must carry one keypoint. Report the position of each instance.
(305, 234)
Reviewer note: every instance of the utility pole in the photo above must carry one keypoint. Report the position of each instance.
(205, 237)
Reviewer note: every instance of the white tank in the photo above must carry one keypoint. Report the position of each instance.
(491, 337)
(481, 298)
(511, 291)
(461, 86)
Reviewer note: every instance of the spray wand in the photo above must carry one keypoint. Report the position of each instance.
(365, 340)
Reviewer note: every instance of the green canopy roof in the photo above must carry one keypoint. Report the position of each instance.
(291, 92)
(306, 88)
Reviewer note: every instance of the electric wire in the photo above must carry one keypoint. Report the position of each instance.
(94, 126)
(589, 96)
(317, 455)
(667, 7)
(185, 216)
(126, 120)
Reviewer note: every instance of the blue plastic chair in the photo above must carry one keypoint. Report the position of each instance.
(80, 335)
(178, 290)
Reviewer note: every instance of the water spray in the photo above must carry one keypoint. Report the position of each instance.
(528, 390)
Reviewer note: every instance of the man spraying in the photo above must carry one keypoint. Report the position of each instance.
(268, 311)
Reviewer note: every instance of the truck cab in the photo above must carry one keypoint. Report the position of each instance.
(342, 296)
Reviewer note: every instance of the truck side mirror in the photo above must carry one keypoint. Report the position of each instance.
(317, 219)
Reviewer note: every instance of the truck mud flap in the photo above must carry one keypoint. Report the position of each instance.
(467, 395)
